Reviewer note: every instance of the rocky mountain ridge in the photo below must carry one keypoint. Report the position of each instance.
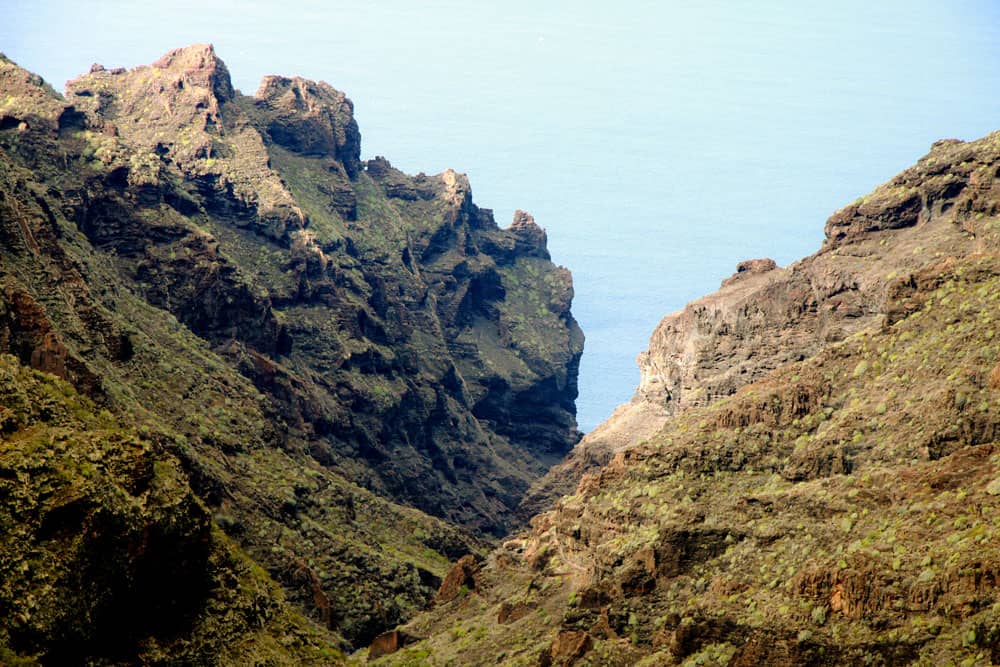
(243, 368)
(765, 316)
(808, 474)
(356, 372)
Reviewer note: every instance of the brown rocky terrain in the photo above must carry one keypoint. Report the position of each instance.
(355, 373)
(809, 473)
(440, 316)
(262, 402)
(765, 316)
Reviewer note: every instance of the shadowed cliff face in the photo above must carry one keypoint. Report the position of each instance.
(808, 475)
(401, 330)
(329, 342)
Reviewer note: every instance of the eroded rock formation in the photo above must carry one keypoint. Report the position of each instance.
(809, 474)
(337, 351)
(764, 316)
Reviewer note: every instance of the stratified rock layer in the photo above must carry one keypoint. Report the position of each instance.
(328, 343)
(406, 330)
(764, 317)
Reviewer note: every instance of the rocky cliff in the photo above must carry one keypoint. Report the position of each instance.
(809, 473)
(357, 372)
(765, 316)
(352, 281)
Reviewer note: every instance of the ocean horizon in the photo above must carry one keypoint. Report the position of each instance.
(659, 144)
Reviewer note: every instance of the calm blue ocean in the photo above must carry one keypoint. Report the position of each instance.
(658, 142)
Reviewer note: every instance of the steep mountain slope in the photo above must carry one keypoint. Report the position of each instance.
(333, 350)
(108, 555)
(765, 316)
(351, 279)
(841, 508)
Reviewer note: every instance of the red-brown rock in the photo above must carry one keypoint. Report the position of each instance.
(568, 647)
(461, 579)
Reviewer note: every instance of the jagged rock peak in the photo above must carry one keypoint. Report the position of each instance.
(186, 86)
(456, 182)
(304, 94)
(200, 65)
(311, 118)
(528, 230)
(523, 221)
(183, 107)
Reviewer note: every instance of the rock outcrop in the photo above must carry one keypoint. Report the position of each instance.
(764, 317)
(809, 474)
(358, 370)
(452, 329)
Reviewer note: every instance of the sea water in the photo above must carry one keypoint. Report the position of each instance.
(659, 143)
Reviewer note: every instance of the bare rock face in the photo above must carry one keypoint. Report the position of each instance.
(764, 316)
(26, 331)
(566, 649)
(199, 66)
(461, 579)
(529, 234)
(311, 118)
(387, 643)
